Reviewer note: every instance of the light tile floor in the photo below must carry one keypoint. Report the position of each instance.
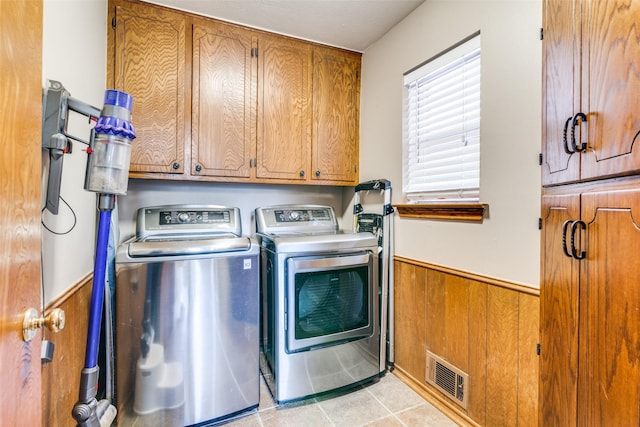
(388, 402)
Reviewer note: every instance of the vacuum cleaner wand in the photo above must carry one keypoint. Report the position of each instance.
(107, 174)
(88, 412)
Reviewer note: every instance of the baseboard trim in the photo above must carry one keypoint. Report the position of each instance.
(431, 396)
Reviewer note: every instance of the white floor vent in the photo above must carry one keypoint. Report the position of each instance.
(447, 378)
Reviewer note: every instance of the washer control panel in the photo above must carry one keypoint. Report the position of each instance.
(194, 217)
(185, 220)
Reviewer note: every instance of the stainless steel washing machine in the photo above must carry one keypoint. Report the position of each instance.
(319, 303)
(187, 314)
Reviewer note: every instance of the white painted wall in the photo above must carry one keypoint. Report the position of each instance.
(74, 46)
(74, 53)
(246, 197)
(505, 245)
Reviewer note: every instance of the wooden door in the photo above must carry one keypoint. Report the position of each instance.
(610, 310)
(561, 89)
(611, 83)
(20, 169)
(559, 308)
(223, 140)
(336, 105)
(284, 115)
(149, 63)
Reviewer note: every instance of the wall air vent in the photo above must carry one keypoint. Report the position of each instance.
(450, 380)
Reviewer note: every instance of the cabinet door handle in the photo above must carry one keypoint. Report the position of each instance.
(317, 173)
(583, 145)
(577, 224)
(301, 173)
(565, 227)
(198, 168)
(565, 139)
(175, 165)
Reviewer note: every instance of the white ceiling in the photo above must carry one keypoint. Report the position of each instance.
(351, 24)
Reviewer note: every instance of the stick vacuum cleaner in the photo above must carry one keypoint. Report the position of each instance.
(107, 174)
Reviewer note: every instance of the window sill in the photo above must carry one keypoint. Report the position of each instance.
(474, 212)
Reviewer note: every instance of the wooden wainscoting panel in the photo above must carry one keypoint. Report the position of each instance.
(477, 351)
(436, 313)
(502, 357)
(410, 318)
(528, 360)
(61, 377)
(456, 324)
(484, 326)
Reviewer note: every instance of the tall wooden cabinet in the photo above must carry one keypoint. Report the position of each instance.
(559, 303)
(590, 305)
(221, 102)
(591, 81)
(590, 296)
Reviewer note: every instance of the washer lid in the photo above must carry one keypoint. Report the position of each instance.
(307, 243)
(192, 246)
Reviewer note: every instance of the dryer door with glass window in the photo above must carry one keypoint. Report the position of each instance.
(330, 300)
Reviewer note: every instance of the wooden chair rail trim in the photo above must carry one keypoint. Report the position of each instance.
(522, 288)
(69, 293)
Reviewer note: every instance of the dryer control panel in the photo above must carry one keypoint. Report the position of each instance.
(302, 215)
(287, 219)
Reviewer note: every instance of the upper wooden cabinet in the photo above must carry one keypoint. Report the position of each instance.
(264, 107)
(561, 88)
(284, 114)
(336, 107)
(223, 139)
(590, 82)
(149, 62)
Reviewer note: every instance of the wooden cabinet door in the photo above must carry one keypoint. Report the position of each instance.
(336, 101)
(222, 108)
(611, 83)
(20, 191)
(284, 116)
(610, 310)
(149, 63)
(561, 89)
(559, 299)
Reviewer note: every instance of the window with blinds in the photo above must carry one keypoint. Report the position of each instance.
(441, 148)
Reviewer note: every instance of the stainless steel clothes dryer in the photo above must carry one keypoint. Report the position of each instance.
(319, 303)
(187, 313)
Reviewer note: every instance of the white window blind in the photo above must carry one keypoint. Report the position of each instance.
(441, 150)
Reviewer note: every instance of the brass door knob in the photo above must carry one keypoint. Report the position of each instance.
(54, 321)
